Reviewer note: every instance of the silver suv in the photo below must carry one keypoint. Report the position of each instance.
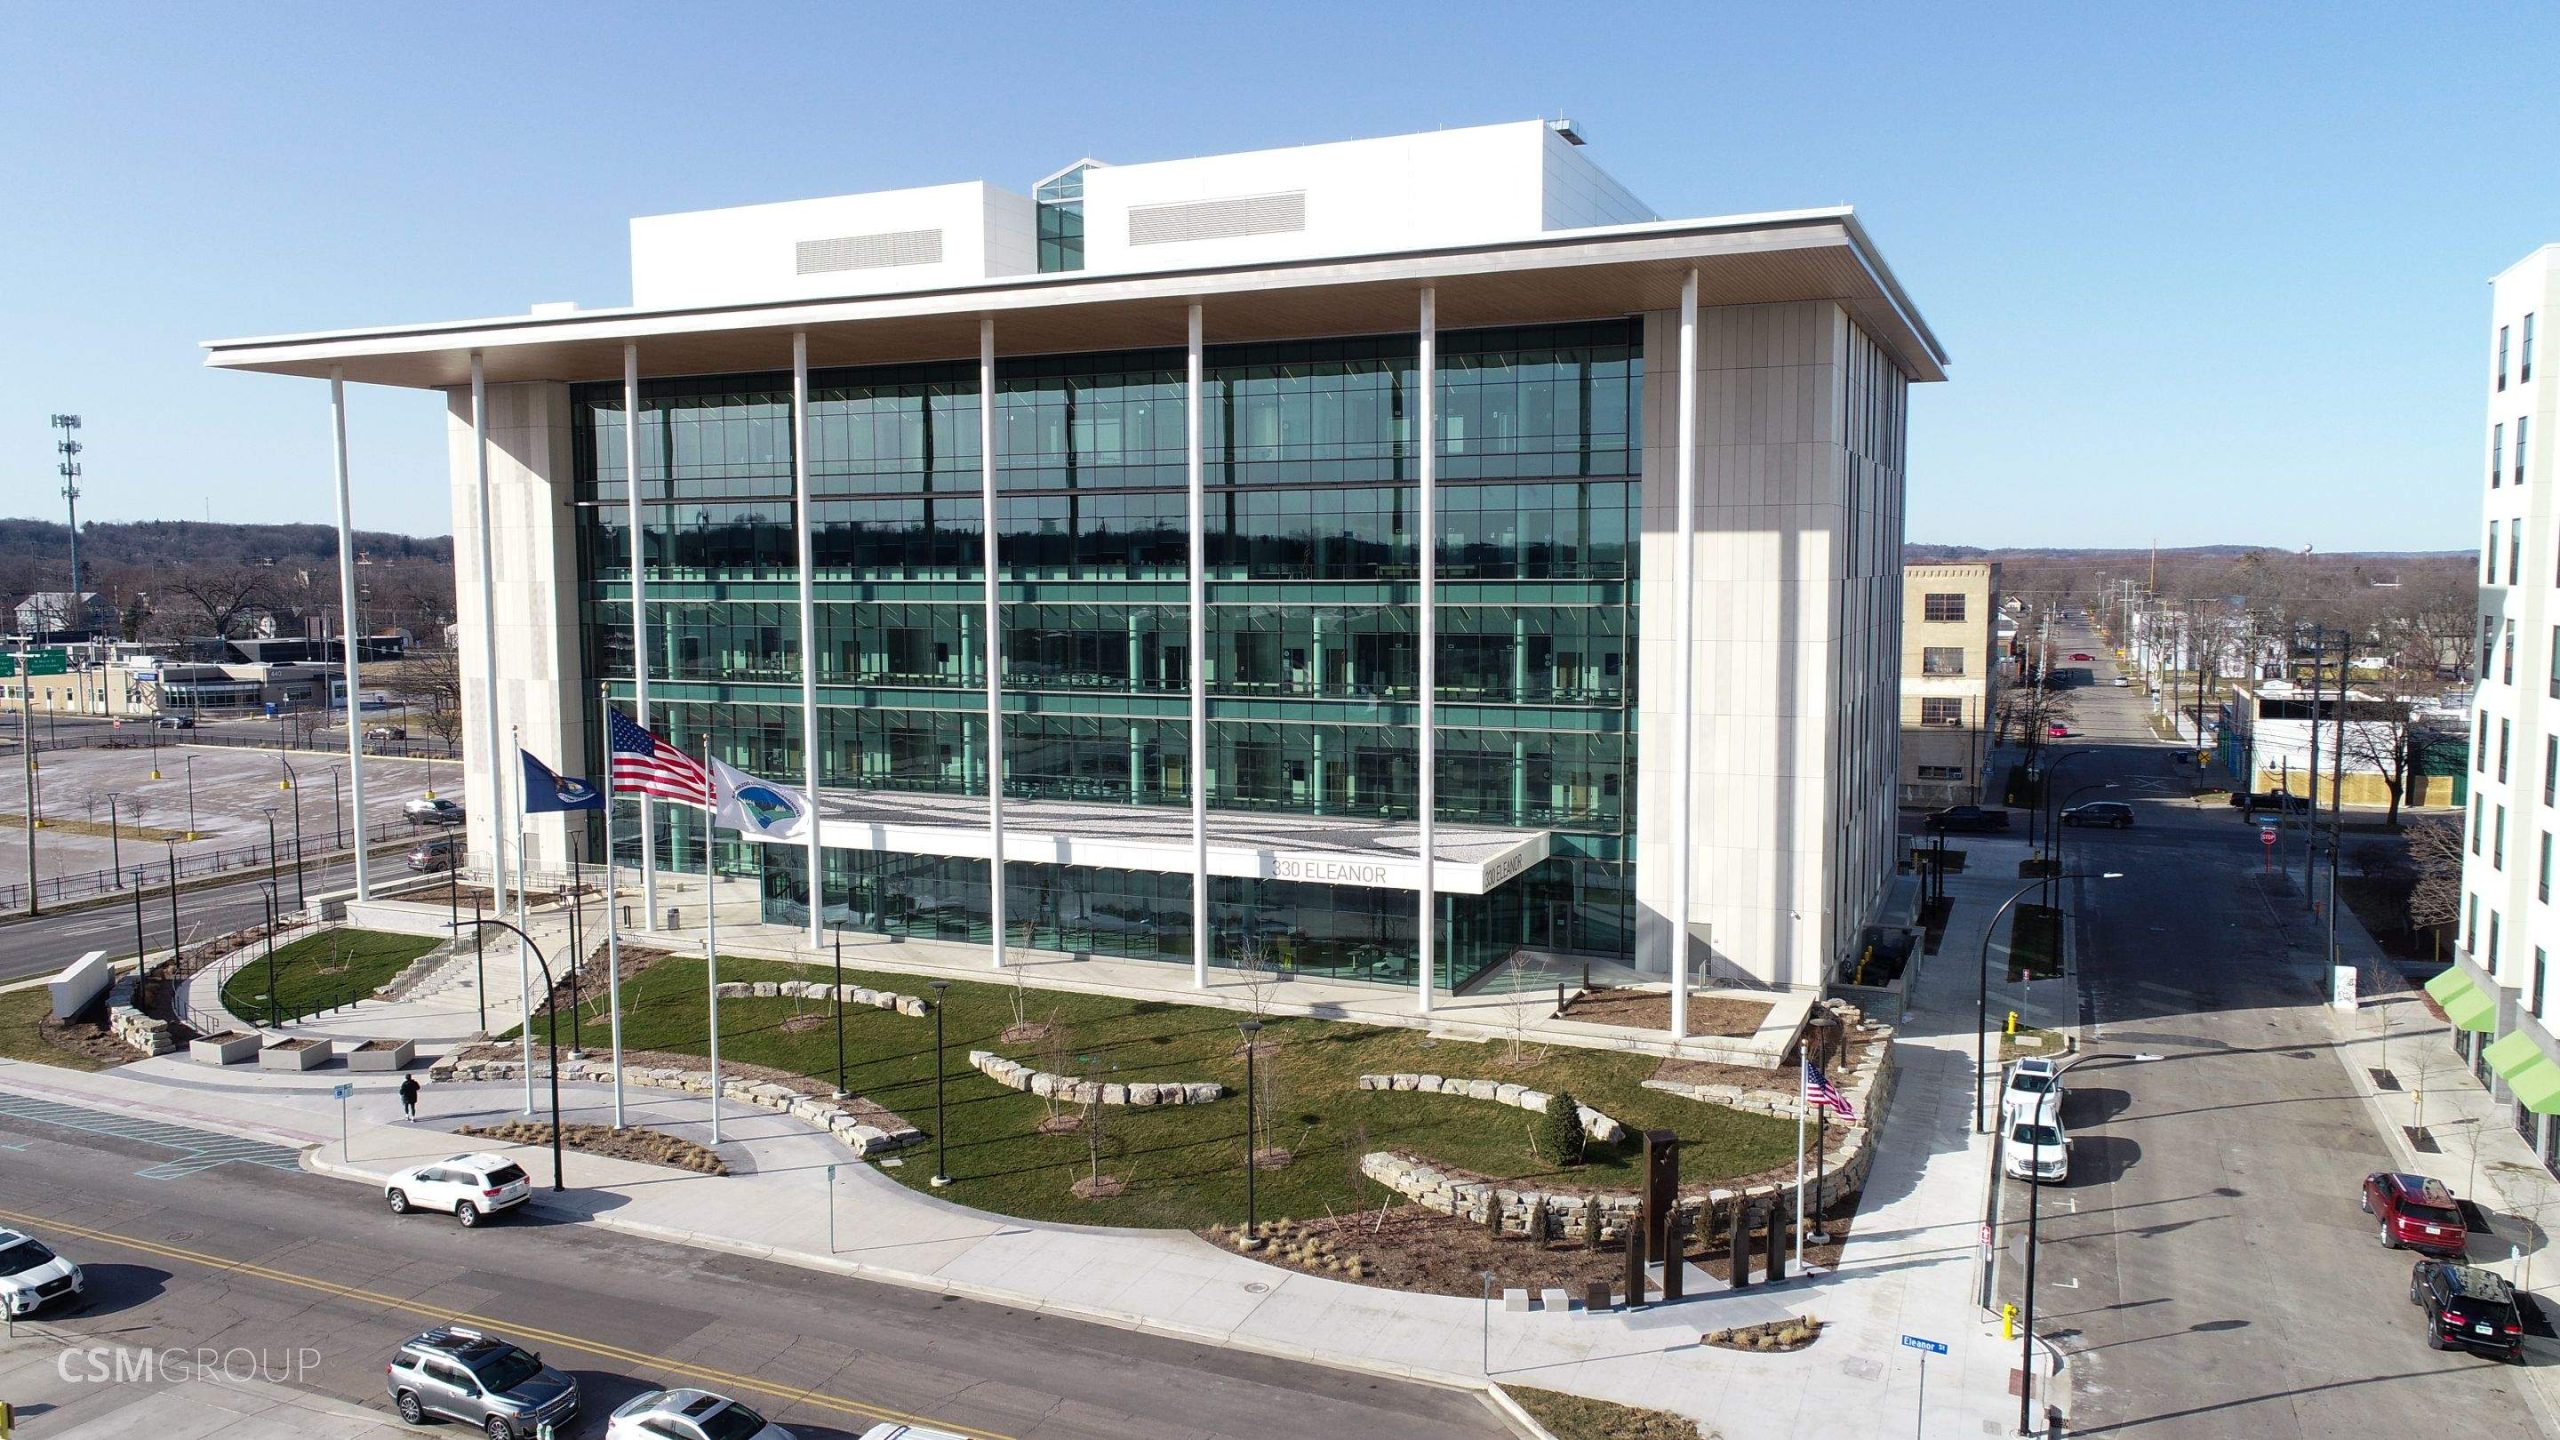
(456, 1374)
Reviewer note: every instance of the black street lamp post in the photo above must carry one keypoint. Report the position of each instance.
(173, 898)
(2053, 833)
(1252, 1030)
(2027, 1330)
(2044, 801)
(941, 1132)
(275, 877)
(1982, 1000)
(551, 1024)
(115, 836)
(270, 891)
(937, 1020)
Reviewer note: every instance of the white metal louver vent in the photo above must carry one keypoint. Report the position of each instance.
(870, 252)
(1218, 219)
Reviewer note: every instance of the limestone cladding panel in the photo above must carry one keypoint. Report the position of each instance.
(1769, 675)
(535, 550)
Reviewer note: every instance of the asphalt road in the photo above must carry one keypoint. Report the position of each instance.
(45, 943)
(2207, 1269)
(282, 1262)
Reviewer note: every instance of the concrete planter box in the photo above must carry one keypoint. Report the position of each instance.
(382, 1055)
(294, 1055)
(233, 1048)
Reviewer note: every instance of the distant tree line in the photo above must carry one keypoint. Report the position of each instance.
(175, 579)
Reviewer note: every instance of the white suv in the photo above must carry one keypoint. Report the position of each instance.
(466, 1186)
(689, 1415)
(2033, 1091)
(2037, 1149)
(32, 1277)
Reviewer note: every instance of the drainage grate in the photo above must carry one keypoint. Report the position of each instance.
(2383, 1079)
(2421, 1141)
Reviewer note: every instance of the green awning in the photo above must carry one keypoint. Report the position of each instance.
(2514, 1055)
(2537, 1087)
(2463, 1003)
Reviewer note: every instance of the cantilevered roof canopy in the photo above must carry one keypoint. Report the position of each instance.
(1566, 275)
(1363, 851)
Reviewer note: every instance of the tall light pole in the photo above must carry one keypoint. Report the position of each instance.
(941, 1133)
(2044, 786)
(269, 890)
(1982, 1001)
(550, 989)
(115, 839)
(191, 795)
(2027, 1330)
(2053, 834)
(288, 784)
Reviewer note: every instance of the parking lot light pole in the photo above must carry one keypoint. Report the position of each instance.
(115, 839)
(2044, 792)
(270, 892)
(2035, 1190)
(551, 1024)
(2053, 832)
(173, 897)
(1982, 1000)
(191, 796)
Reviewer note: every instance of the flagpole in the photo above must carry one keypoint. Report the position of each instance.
(524, 970)
(711, 946)
(612, 915)
(1804, 1102)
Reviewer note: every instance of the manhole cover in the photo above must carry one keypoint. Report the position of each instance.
(1860, 1367)
(1255, 1287)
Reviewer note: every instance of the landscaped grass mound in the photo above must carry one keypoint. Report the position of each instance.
(1182, 1166)
(28, 1032)
(319, 971)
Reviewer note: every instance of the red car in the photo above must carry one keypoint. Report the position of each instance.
(2058, 732)
(2416, 1213)
(2077, 655)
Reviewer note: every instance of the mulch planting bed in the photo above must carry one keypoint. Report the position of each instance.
(89, 1041)
(649, 1147)
(1651, 1010)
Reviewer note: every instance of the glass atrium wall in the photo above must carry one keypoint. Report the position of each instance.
(1311, 654)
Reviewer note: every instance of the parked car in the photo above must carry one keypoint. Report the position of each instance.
(2469, 1307)
(2278, 800)
(690, 1415)
(2120, 682)
(2038, 1149)
(2112, 814)
(439, 854)
(2082, 656)
(433, 810)
(1969, 820)
(32, 1276)
(173, 722)
(2033, 1091)
(2058, 731)
(455, 1374)
(387, 732)
(2414, 1212)
(467, 1187)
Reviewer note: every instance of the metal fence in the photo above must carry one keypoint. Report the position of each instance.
(89, 884)
(413, 748)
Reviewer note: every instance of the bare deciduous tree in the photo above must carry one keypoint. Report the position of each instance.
(2435, 852)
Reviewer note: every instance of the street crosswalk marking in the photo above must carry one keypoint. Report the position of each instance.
(200, 1150)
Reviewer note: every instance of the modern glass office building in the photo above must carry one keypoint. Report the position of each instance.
(1466, 365)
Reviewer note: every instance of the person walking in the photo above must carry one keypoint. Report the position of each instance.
(409, 1098)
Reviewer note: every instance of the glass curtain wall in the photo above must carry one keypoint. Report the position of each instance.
(1311, 628)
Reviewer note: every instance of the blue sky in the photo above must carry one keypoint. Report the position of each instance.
(2207, 275)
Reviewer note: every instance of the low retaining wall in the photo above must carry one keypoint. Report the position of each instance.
(144, 1033)
(1868, 1087)
(1013, 1075)
(1595, 1125)
(861, 1137)
(812, 990)
(80, 984)
(400, 917)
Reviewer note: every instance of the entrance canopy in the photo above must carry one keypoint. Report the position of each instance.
(1308, 849)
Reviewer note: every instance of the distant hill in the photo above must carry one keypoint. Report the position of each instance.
(1916, 552)
(46, 546)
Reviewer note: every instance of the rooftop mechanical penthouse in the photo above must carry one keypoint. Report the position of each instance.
(1232, 419)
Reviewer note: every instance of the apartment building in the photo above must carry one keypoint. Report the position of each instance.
(2499, 993)
(1950, 680)
(1285, 551)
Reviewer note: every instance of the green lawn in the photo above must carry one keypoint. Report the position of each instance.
(1182, 1163)
(318, 971)
(1572, 1417)
(22, 1012)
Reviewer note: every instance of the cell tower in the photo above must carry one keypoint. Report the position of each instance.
(70, 468)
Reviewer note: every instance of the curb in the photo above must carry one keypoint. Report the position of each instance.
(1501, 1403)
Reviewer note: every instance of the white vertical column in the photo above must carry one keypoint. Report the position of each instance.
(348, 630)
(489, 634)
(808, 622)
(1196, 492)
(1684, 626)
(991, 648)
(639, 624)
(1427, 447)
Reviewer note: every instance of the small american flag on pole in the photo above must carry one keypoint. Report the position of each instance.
(1823, 1095)
(643, 764)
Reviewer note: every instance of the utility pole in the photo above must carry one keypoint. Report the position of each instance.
(2338, 787)
(27, 752)
(70, 468)
(2311, 800)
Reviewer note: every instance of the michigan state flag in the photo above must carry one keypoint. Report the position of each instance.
(758, 809)
(547, 790)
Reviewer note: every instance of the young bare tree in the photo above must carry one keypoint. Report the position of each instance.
(2383, 731)
(430, 682)
(2435, 852)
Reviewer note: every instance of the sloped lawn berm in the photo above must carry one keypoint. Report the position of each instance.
(1181, 1165)
(318, 971)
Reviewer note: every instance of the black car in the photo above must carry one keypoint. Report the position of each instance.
(2112, 814)
(2281, 801)
(1969, 820)
(173, 722)
(2469, 1307)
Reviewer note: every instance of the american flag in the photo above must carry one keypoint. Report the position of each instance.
(1822, 1094)
(646, 765)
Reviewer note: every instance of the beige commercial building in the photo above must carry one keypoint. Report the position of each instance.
(1950, 682)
